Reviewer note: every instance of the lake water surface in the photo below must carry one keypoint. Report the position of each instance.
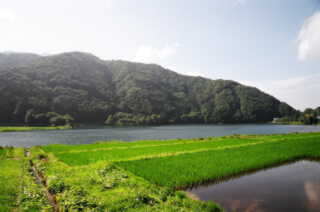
(293, 188)
(92, 134)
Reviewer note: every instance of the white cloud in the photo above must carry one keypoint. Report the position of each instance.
(309, 38)
(7, 14)
(109, 4)
(150, 54)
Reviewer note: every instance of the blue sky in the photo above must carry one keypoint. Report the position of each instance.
(271, 44)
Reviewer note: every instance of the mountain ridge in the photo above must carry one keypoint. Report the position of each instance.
(121, 92)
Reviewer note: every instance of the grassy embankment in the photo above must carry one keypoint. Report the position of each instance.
(27, 128)
(18, 190)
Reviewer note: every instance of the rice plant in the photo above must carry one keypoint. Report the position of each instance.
(195, 168)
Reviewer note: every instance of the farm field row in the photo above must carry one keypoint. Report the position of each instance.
(195, 168)
(18, 189)
(123, 151)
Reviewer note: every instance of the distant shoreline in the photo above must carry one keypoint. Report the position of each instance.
(27, 128)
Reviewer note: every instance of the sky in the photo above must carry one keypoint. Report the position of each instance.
(270, 44)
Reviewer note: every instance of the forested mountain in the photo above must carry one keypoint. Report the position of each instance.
(43, 89)
(8, 60)
(308, 116)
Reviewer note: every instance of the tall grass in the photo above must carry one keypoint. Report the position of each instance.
(194, 168)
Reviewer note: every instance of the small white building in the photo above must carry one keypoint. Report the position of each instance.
(318, 117)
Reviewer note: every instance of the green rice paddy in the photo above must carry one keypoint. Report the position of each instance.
(123, 151)
(189, 169)
(103, 186)
(142, 175)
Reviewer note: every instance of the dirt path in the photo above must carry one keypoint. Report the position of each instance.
(42, 181)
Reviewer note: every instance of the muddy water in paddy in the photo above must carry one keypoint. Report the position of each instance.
(292, 187)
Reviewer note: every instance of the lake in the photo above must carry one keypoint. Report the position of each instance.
(294, 187)
(91, 134)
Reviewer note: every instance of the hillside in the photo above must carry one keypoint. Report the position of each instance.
(92, 90)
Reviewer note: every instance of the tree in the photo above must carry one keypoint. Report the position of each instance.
(91, 90)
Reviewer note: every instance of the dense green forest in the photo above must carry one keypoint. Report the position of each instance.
(79, 87)
(308, 116)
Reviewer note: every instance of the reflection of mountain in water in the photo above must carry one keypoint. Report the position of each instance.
(293, 188)
(253, 206)
(313, 195)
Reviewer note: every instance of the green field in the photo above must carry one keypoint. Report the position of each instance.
(124, 151)
(2, 153)
(131, 152)
(9, 180)
(18, 189)
(189, 169)
(103, 186)
(26, 128)
(142, 175)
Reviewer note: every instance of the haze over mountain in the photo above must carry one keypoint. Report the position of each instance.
(120, 92)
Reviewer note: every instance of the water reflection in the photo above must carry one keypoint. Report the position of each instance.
(312, 190)
(294, 187)
(93, 134)
(248, 206)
